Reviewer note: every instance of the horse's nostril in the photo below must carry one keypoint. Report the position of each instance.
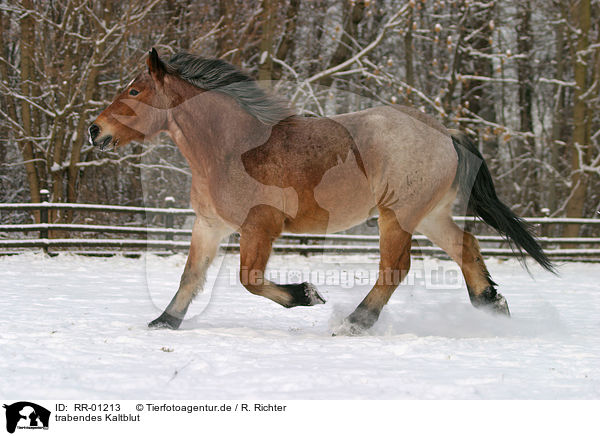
(94, 131)
(104, 144)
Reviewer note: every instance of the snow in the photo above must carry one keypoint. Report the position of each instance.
(263, 57)
(75, 328)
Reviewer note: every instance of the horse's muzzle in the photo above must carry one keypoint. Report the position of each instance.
(102, 142)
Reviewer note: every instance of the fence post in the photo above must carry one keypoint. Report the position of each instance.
(169, 203)
(545, 228)
(45, 197)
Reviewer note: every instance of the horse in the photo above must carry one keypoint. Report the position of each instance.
(259, 169)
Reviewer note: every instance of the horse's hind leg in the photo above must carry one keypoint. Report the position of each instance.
(463, 248)
(262, 226)
(204, 245)
(394, 263)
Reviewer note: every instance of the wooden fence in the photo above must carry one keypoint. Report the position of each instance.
(166, 237)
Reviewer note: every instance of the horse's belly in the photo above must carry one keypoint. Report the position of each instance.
(341, 200)
(348, 202)
(322, 221)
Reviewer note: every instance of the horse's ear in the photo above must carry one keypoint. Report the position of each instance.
(156, 67)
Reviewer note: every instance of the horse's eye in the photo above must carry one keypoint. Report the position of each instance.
(133, 92)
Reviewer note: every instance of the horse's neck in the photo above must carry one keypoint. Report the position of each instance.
(194, 155)
(211, 128)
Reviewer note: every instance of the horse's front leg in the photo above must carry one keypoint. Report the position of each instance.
(203, 248)
(261, 228)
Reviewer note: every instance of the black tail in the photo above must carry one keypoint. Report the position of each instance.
(475, 181)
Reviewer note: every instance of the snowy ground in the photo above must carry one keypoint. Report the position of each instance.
(75, 328)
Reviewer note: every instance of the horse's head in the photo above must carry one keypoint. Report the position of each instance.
(137, 113)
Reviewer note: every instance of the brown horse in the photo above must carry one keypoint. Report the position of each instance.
(259, 169)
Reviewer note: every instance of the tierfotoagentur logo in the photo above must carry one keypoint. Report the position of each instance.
(429, 277)
(24, 415)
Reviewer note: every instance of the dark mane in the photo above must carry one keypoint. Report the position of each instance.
(221, 76)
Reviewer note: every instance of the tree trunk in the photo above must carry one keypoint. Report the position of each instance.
(27, 42)
(286, 47)
(524, 70)
(558, 119)
(343, 52)
(73, 171)
(408, 55)
(581, 134)
(529, 172)
(265, 69)
(475, 93)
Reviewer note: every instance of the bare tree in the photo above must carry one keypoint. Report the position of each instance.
(522, 78)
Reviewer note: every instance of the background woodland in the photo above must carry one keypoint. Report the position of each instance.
(521, 77)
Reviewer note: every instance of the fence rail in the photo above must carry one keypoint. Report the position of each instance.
(147, 237)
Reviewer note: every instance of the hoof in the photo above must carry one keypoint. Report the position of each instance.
(166, 321)
(312, 295)
(500, 306)
(304, 294)
(359, 321)
(491, 301)
(348, 328)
